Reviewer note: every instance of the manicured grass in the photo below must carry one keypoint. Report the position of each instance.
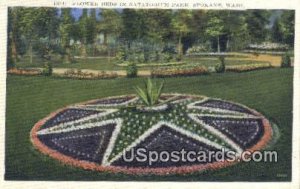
(30, 99)
(101, 63)
(106, 63)
(211, 62)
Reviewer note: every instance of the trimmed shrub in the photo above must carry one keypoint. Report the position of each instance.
(285, 60)
(132, 70)
(48, 69)
(220, 67)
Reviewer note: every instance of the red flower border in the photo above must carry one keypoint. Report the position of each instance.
(157, 171)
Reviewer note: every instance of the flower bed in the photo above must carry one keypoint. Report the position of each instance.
(197, 49)
(267, 46)
(152, 64)
(30, 72)
(257, 52)
(179, 71)
(249, 67)
(100, 134)
(72, 73)
(157, 108)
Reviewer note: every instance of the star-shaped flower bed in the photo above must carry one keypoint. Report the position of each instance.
(101, 134)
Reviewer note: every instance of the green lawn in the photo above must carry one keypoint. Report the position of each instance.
(102, 63)
(30, 99)
(106, 63)
(208, 62)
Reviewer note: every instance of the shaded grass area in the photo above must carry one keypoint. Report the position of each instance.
(30, 99)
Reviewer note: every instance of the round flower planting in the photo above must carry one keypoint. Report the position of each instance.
(103, 134)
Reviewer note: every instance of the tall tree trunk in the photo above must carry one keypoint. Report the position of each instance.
(227, 44)
(219, 49)
(14, 53)
(105, 39)
(94, 48)
(83, 49)
(108, 53)
(67, 55)
(180, 46)
(13, 37)
(30, 52)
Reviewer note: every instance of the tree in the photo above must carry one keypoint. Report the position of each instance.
(276, 32)
(65, 29)
(83, 31)
(181, 27)
(133, 25)
(33, 24)
(287, 22)
(215, 27)
(13, 35)
(156, 26)
(87, 30)
(28, 24)
(235, 29)
(199, 21)
(46, 31)
(110, 23)
(92, 29)
(257, 21)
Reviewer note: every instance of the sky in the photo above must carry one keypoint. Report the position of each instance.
(76, 12)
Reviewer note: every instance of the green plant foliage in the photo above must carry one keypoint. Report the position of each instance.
(132, 70)
(121, 55)
(285, 61)
(220, 67)
(48, 69)
(151, 93)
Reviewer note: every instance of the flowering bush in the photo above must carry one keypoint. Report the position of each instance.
(179, 71)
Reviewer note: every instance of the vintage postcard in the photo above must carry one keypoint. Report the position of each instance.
(150, 94)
